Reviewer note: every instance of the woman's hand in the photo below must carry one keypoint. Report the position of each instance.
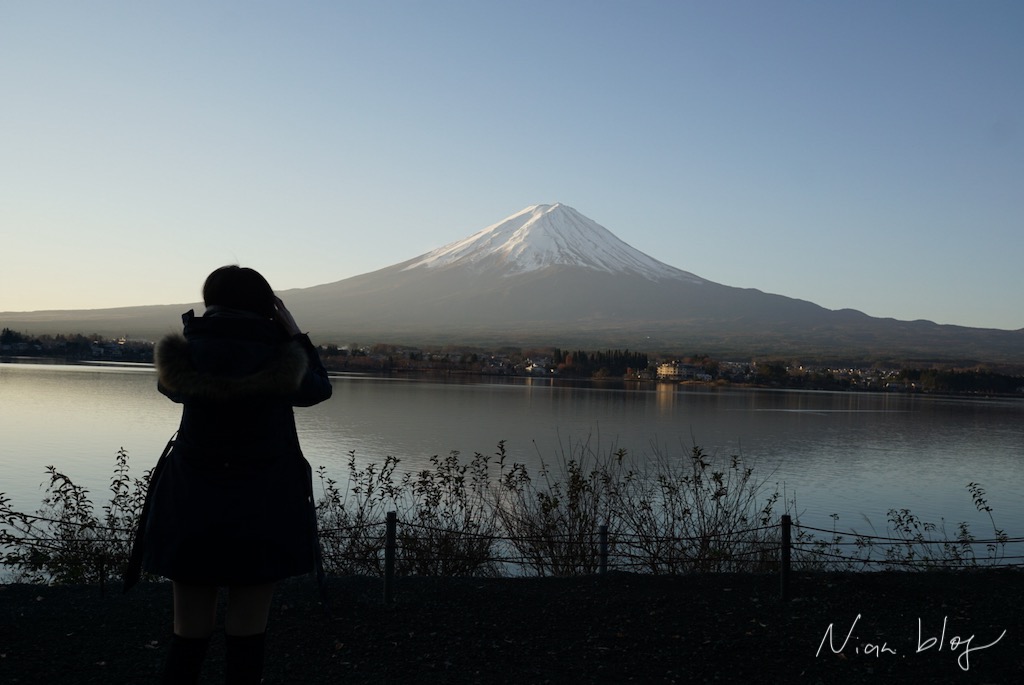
(285, 318)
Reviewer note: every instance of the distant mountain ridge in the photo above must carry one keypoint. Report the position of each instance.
(548, 275)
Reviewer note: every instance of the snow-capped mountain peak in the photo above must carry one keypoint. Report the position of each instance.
(547, 235)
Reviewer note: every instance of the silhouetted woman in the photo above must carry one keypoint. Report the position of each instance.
(230, 505)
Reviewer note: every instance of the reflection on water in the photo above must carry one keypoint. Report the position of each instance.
(853, 454)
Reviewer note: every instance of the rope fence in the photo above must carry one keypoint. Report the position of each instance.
(393, 548)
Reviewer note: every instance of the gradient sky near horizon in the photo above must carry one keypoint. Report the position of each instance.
(865, 155)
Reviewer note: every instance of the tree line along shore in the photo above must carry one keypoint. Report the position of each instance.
(554, 362)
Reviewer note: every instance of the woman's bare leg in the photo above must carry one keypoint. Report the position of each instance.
(245, 626)
(248, 609)
(195, 613)
(195, 610)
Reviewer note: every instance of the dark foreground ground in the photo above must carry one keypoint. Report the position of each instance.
(613, 629)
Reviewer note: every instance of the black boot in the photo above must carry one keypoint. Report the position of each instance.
(243, 660)
(184, 660)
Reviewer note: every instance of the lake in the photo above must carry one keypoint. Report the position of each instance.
(852, 454)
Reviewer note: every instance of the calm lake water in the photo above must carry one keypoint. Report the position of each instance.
(855, 455)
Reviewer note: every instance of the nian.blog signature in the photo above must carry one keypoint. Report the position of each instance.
(960, 646)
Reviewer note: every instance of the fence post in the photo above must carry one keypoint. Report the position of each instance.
(785, 550)
(101, 570)
(602, 537)
(389, 556)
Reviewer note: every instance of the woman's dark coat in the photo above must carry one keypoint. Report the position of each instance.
(232, 501)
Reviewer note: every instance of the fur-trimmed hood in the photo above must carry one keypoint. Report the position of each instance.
(177, 373)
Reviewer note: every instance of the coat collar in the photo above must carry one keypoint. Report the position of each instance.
(176, 365)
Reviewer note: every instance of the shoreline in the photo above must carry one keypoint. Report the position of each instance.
(476, 377)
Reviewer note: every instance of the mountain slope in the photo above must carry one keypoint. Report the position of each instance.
(585, 307)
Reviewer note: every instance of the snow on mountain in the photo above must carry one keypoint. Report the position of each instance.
(547, 235)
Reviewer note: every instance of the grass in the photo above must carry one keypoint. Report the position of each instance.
(581, 512)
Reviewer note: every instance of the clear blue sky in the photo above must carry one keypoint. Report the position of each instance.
(856, 154)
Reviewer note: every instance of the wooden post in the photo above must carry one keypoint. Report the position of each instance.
(784, 557)
(101, 569)
(602, 536)
(389, 556)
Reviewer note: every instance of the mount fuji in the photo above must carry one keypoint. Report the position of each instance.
(549, 276)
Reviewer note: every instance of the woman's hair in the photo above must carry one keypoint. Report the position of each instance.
(238, 287)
